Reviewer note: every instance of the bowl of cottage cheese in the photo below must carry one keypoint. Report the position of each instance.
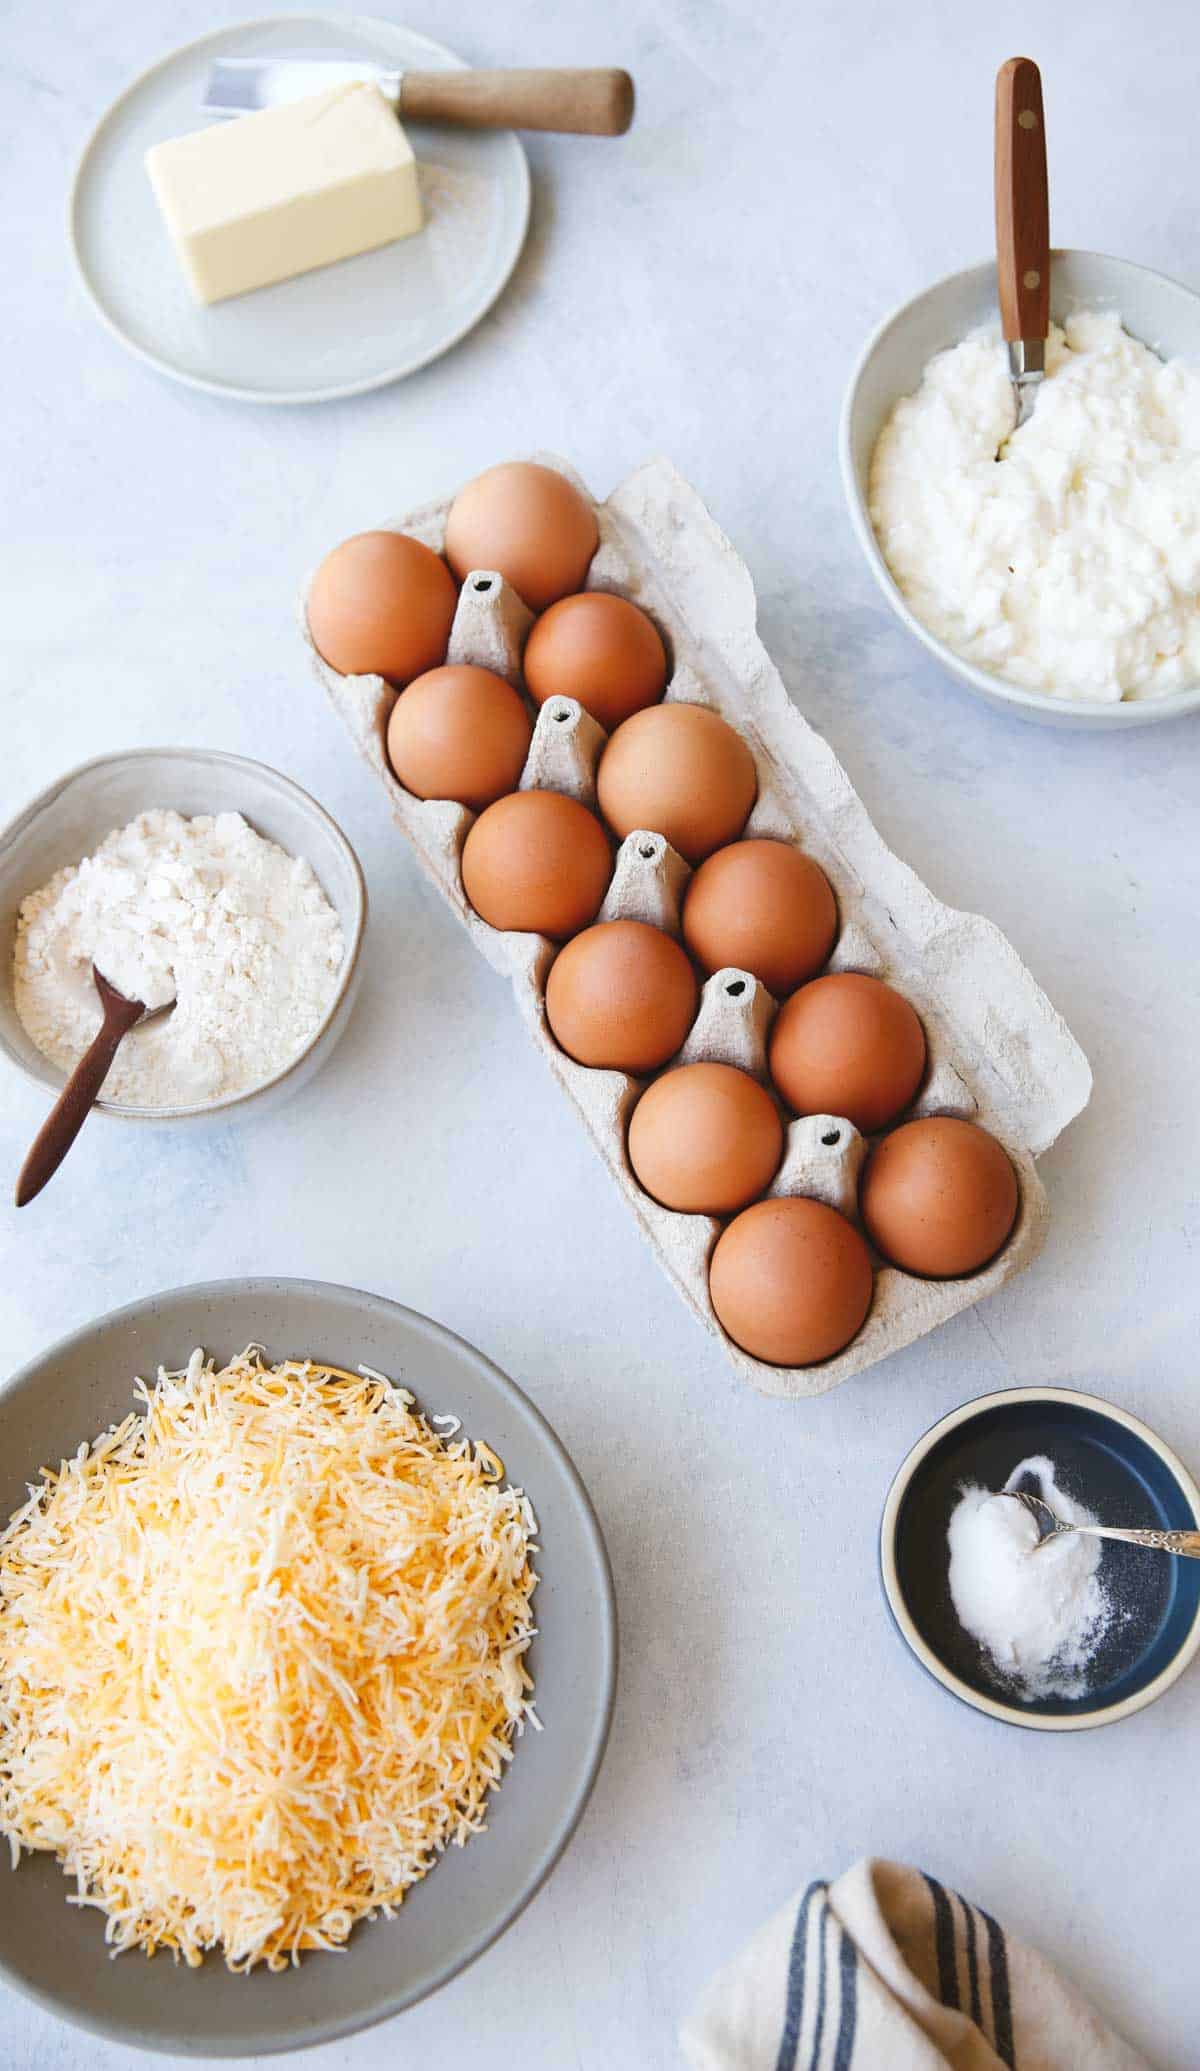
(1054, 570)
(190, 876)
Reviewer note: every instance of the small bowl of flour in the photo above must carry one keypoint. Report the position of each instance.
(183, 872)
(1078, 1632)
(1054, 570)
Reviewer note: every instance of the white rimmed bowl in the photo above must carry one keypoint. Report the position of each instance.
(1163, 313)
(1124, 1474)
(72, 816)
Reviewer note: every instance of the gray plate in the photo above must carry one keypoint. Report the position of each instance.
(56, 1952)
(335, 332)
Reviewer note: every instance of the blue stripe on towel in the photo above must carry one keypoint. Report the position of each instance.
(1002, 2025)
(789, 2041)
(972, 1959)
(848, 1975)
(944, 1930)
(822, 1968)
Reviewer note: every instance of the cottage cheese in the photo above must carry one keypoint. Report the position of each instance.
(202, 910)
(1072, 563)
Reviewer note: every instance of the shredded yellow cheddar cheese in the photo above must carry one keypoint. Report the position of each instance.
(262, 1658)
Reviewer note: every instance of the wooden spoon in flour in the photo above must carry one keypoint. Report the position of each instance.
(82, 1090)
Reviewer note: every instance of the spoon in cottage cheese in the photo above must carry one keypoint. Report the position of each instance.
(82, 1090)
(1022, 228)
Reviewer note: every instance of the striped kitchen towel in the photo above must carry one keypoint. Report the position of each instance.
(886, 1970)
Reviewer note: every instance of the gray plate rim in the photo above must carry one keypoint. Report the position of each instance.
(339, 1293)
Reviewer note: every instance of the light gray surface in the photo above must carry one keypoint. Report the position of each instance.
(700, 288)
(1162, 312)
(81, 1387)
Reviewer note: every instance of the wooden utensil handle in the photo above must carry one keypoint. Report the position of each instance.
(74, 1104)
(1022, 202)
(590, 103)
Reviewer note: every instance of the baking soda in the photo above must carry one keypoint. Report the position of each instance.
(1039, 1612)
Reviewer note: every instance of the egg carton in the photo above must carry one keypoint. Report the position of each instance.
(998, 1051)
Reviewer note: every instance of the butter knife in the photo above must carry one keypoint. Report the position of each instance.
(596, 102)
(1022, 227)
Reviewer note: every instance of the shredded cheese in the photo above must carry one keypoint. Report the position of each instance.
(262, 1658)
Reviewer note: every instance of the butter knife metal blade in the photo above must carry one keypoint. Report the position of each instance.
(245, 86)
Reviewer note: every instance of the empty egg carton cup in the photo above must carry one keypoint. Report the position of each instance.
(998, 1051)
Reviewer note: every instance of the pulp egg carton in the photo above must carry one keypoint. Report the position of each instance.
(998, 1052)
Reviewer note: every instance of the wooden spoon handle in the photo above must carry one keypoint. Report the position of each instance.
(1022, 202)
(70, 1111)
(592, 103)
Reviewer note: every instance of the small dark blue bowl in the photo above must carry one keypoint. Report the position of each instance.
(1125, 1476)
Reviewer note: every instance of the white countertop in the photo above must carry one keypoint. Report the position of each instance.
(697, 290)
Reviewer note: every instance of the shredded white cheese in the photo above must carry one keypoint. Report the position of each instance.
(262, 1658)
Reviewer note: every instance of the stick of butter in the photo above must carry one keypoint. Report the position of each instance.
(267, 196)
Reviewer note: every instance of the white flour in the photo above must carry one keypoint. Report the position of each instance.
(1039, 1613)
(206, 909)
(1071, 564)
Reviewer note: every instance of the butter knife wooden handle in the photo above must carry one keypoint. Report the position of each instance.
(77, 1099)
(1022, 202)
(590, 103)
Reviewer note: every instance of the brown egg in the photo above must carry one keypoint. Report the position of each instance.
(678, 770)
(528, 522)
(764, 906)
(600, 650)
(537, 862)
(706, 1139)
(621, 997)
(939, 1197)
(848, 1045)
(461, 733)
(791, 1281)
(382, 604)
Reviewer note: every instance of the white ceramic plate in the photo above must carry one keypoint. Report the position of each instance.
(335, 332)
